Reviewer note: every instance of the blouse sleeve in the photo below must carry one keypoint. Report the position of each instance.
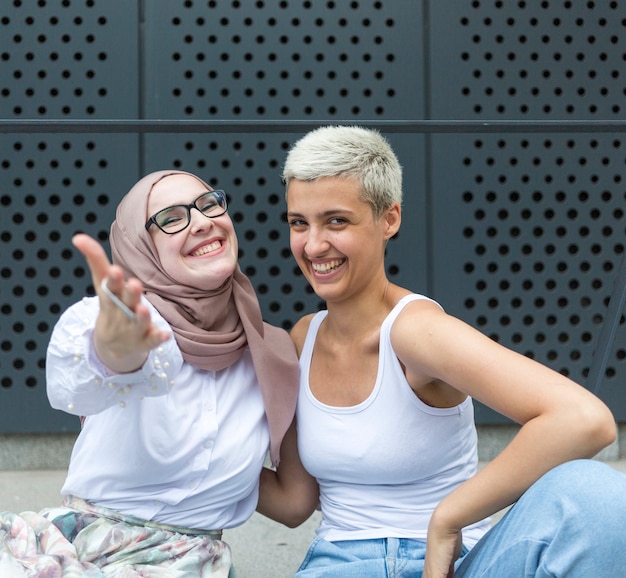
(76, 380)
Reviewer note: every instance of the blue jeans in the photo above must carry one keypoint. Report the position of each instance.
(570, 523)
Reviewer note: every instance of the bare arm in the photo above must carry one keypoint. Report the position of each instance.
(122, 344)
(560, 420)
(288, 495)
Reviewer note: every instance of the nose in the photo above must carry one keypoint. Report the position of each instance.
(316, 243)
(197, 221)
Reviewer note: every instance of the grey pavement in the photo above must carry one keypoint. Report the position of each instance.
(261, 547)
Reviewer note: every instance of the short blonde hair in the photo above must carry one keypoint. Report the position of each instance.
(350, 152)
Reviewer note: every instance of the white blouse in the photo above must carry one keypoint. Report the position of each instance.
(169, 443)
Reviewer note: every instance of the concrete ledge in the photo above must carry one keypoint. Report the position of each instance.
(36, 451)
(52, 451)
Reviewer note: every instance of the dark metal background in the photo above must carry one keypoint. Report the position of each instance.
(514, 228)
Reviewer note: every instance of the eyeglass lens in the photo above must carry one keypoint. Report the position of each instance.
(176, 218)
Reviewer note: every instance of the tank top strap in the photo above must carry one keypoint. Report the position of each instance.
(309, 342)
(385, 329)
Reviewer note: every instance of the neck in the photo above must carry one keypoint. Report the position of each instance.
(362, 313)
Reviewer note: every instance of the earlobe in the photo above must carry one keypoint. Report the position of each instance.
(393, 218)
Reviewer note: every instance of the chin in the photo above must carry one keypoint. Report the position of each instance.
(216, 278)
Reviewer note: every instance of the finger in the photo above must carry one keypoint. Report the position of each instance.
(151, 335)
(95, 256)
(126, 296)
(133, 290)
(155, 337)
(121, 305)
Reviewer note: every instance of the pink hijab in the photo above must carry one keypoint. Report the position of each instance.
(212, 328)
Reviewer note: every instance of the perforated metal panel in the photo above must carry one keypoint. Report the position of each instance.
(517, 234)
(68, 59)
(58, 61)
(536, 224)
(288, 59)
(307, 60)
(181, 60)
(528, 60)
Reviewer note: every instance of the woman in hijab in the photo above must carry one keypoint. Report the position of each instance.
(182, 389)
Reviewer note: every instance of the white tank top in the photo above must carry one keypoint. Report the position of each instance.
(383, 465)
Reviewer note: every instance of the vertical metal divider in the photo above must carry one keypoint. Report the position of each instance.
(609, 327)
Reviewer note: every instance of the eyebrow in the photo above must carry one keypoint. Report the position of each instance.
(328, 213)
(184, 204)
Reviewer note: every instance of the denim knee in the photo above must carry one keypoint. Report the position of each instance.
(568, 523)
(591, 483)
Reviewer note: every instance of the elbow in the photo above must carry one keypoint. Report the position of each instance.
(293, 523)
(299, 509)
(601, 429)
(294, 520)
(297, 517)
(608, 431)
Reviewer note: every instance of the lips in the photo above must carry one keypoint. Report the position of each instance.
(205, 249)
(327, 267)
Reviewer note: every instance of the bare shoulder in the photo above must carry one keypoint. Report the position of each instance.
(417, 337)
(418, 314)
(299, 330)
(419, 324)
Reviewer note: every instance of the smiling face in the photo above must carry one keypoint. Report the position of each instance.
(204, 254)
(337, 242)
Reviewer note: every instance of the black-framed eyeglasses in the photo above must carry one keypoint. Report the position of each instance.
(176, 218)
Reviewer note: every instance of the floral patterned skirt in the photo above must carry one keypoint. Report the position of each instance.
(80, 540)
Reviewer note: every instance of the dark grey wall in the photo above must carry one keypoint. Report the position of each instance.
(517, 233)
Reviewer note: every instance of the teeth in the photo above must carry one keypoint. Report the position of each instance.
(207, 249)
(326, 267)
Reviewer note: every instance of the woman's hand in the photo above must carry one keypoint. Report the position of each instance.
(443, 547)
(121, 343)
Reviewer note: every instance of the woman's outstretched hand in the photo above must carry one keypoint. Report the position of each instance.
(121, 342)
